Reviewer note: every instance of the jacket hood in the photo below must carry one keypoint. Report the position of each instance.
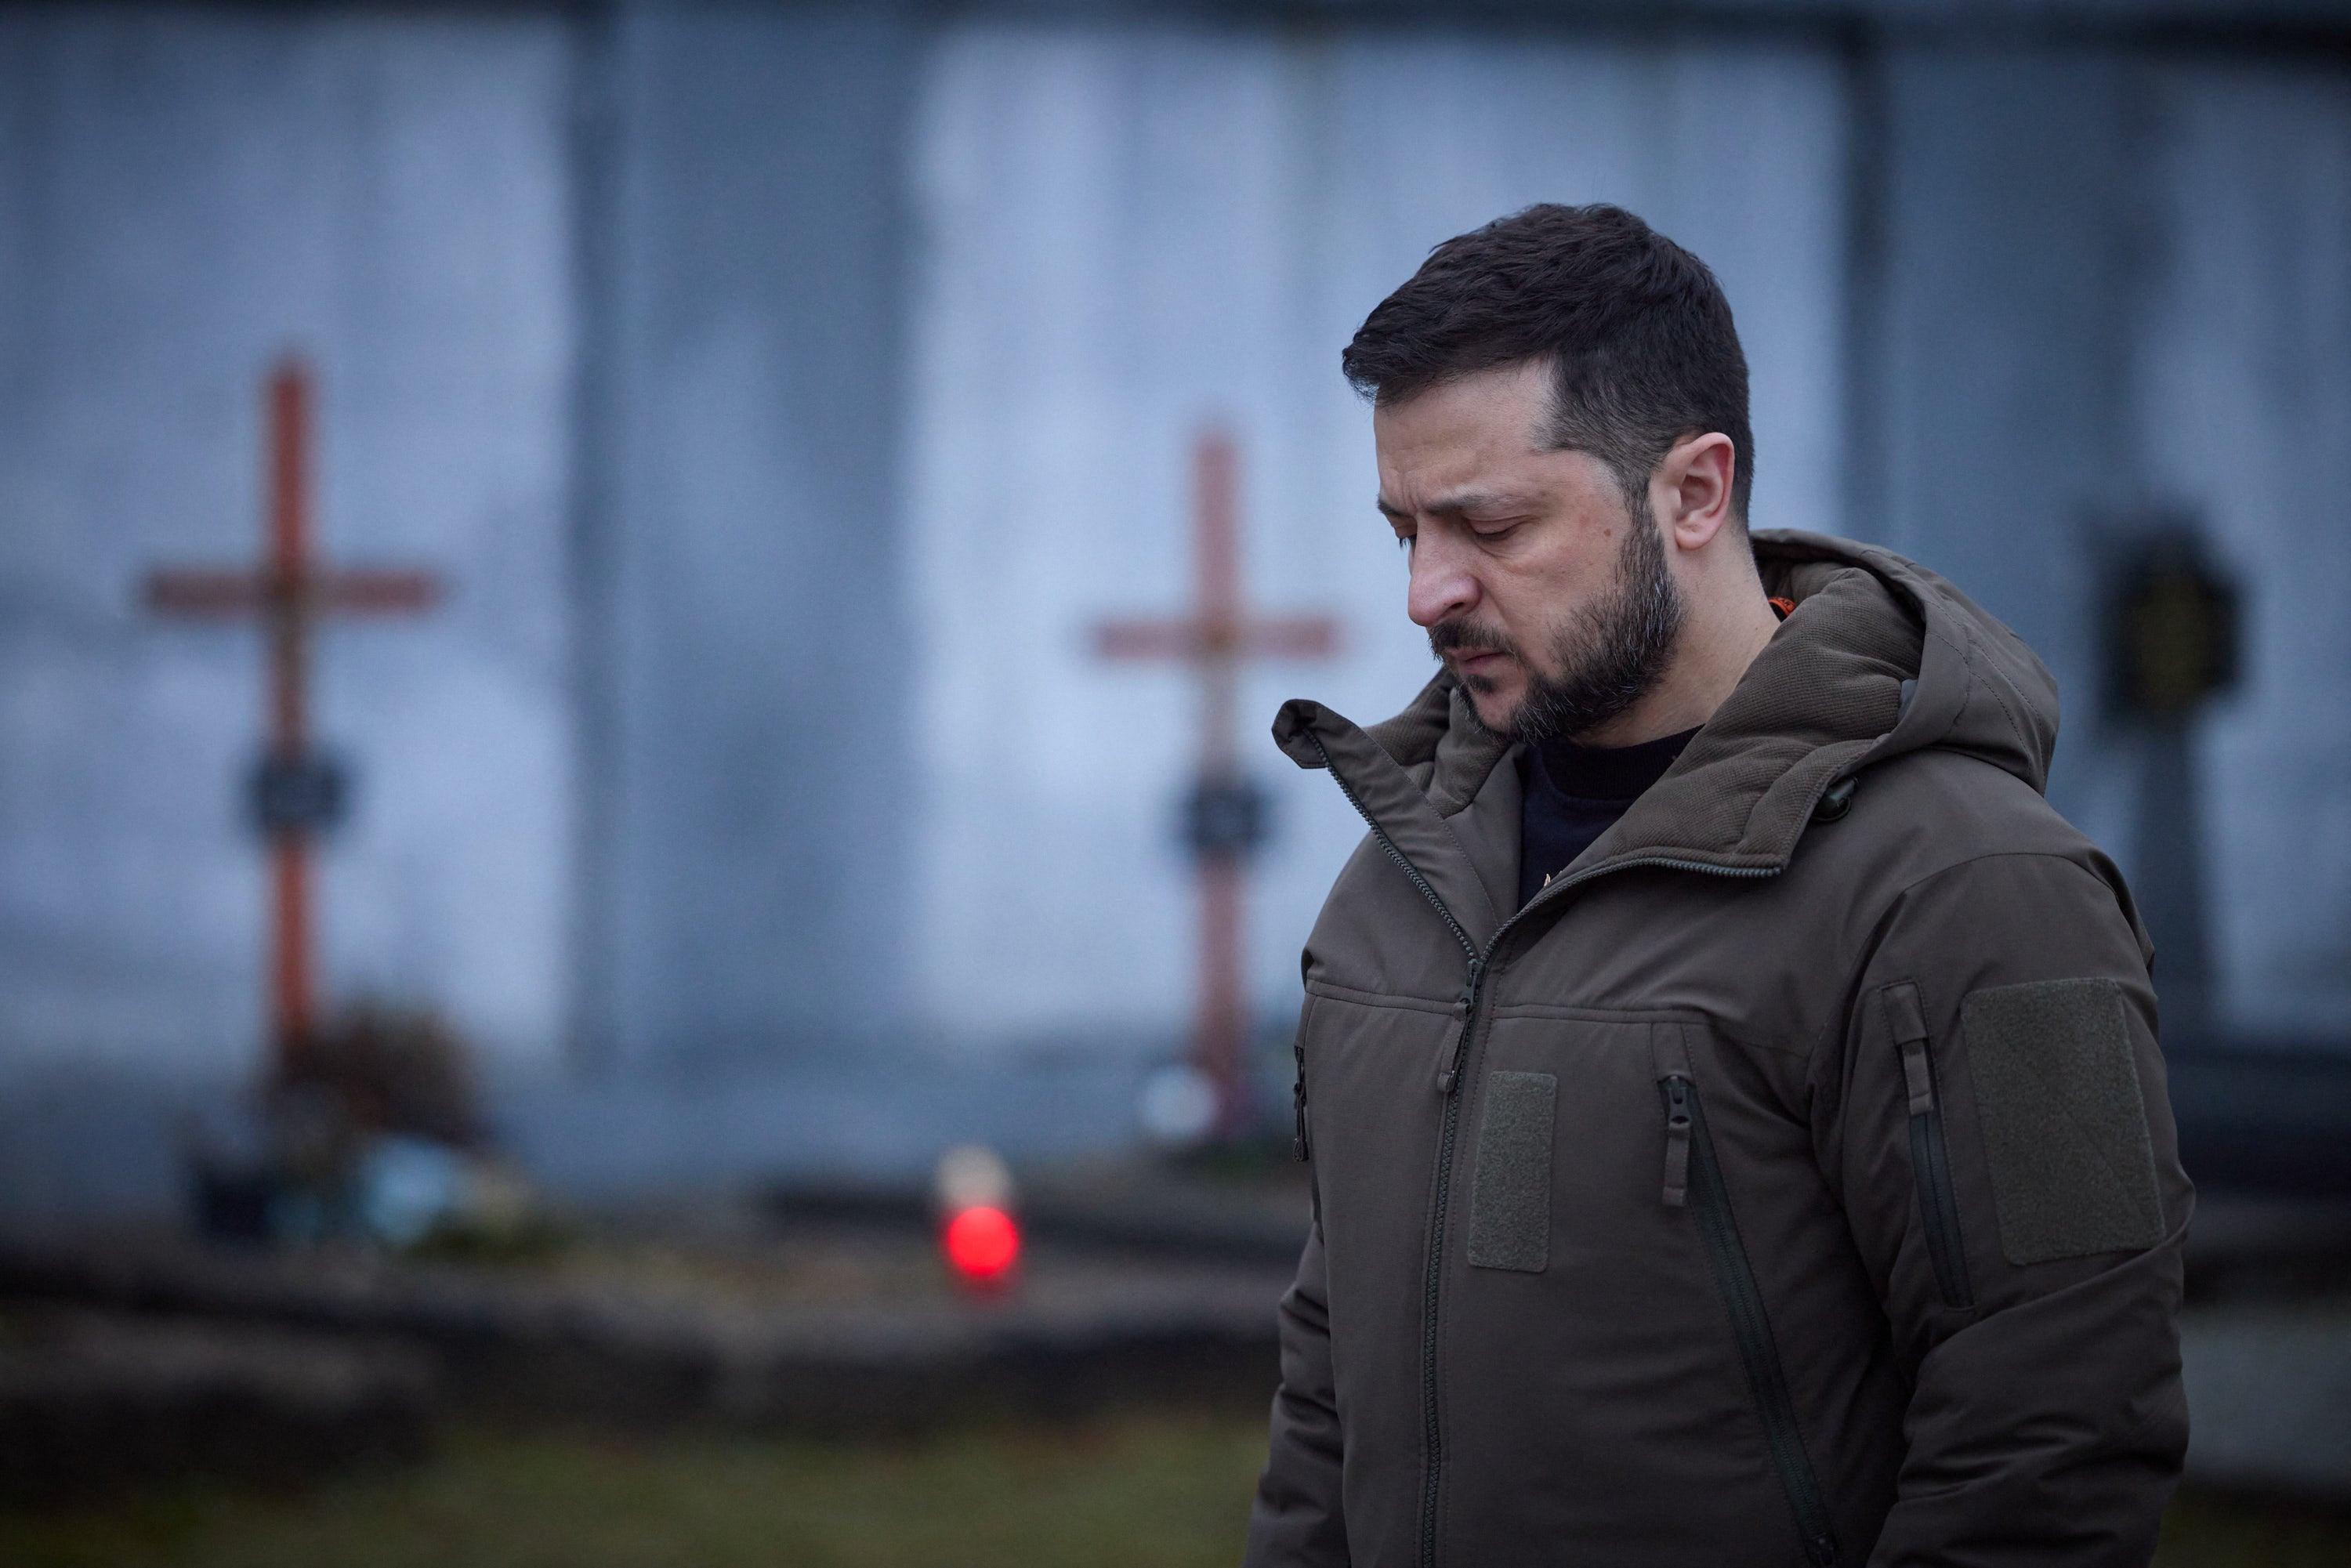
(1879, 658)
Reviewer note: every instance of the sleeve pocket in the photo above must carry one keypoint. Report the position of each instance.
(2065, 1126)
(1930, 1159)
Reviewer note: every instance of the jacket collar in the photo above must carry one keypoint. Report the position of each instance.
(1879, 657)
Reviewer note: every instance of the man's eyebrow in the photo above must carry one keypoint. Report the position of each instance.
(1460, 503)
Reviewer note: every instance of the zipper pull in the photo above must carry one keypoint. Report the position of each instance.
(1298, 1148)
(1908, 1021)
(1448, 1077)
(1678, 1141)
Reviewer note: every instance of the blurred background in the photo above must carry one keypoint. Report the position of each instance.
(745, 812)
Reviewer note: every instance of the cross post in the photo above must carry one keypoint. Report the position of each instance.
(1224, 813)
(296, 793)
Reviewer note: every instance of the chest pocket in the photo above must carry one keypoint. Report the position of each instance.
(1563, 1143)
(1509, 1193)
(1594, 1155)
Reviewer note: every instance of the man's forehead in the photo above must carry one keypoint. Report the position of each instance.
(1466, 446)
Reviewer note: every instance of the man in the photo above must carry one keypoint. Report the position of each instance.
(1737, 1130)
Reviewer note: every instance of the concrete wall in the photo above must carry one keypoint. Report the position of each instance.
(184, 196)
(743, 564)
(787, 391)
(2013, 280)
(2243, 414)
(2115, 287)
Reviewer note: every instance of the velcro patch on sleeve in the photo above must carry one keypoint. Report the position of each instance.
(2065, 1128)
(1509, 1196)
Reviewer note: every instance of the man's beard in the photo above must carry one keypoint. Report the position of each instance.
(1609, 654)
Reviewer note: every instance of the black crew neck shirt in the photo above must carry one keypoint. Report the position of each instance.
(1576, 793)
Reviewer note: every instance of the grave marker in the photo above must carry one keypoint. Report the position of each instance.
(298, 793)
(1224, 813)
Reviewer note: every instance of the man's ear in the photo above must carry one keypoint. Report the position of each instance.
(1692, 488)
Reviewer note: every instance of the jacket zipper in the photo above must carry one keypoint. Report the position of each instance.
(1930, 1160)
(1300, 1149)
(1448, 1083)
(1709, 1200)
(1449, 1134)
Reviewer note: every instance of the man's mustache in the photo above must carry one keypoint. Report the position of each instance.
(1465, 637)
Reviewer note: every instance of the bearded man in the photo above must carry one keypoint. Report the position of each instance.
(1738, 1131)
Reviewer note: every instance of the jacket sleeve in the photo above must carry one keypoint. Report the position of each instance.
(2011, 1175)
(1296, 1522)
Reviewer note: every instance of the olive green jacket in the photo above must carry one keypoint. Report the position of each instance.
(1791, 1181)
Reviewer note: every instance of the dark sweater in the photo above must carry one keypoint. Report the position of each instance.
(1576, 793)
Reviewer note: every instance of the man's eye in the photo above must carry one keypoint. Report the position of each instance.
(1404, 542)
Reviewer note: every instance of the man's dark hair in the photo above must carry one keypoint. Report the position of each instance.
(1635, 327)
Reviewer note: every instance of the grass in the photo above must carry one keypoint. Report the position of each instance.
(1142, 1490)
(1154, 1491)
(2205, 1531)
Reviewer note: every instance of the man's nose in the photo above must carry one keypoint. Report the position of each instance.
(1442, 586)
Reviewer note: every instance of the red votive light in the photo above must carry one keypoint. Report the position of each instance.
(983, 1244)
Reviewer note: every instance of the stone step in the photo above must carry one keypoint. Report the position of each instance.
(1077, 1335)
(93, 1400)
(2269, 1396)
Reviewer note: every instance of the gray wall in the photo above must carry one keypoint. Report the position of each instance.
(2243, 413)
(786, 390)
(742, 549)
(184, 196)
(2115, 287)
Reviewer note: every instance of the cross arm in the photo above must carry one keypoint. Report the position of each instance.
(1146, 639)
(1293, 637)
(201, 592)
(389, 591)
(195, 592)
(1267, 637)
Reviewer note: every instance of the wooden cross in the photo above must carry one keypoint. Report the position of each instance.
(296, 794)
(1226, 812)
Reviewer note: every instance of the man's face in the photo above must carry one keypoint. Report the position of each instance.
(1552, 604)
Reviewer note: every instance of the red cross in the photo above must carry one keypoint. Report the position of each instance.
(1214, 638)
(289, 593)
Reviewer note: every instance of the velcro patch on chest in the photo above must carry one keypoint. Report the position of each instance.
(2064, 1125)
(1510, 1195)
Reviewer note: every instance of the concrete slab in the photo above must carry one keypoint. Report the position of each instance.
(2269, 1396)
(90, 1401)
(845, 1333)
